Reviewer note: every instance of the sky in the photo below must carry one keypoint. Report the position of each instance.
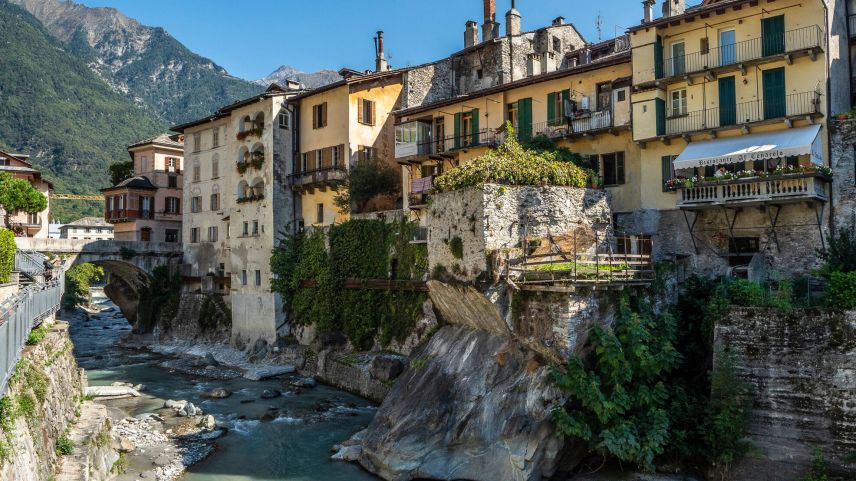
(252, 38)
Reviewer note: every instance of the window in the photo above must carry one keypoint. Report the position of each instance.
(511, 115)
(365, 112)
(557, 44)
(304, 161)
(246, 230)
(258, 277)
(212, 234)
(255, 227)
(228, 230)
(319, 159)
(367, 153)
(319, 217)
(283, 120)
(613, 168)
(215, 201)
(196, 204)
(480, 74)
(172, 182)
(171, 235)
(196, 170)
(704, 45)
(604, 96)
(335, 155)
(466, 128)
(243, 278)
(621, 95)
(319, 116)
(172, 164)
(215, 137)
(197, 142)
(194, 234)
(215, 167)
(678, 60)
(171, 205)
(679, 102)
(668, 170)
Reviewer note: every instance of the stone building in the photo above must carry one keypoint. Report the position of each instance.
(236, 206)
(732, 123)
(88, 228)
(147, 206)
(22, 223)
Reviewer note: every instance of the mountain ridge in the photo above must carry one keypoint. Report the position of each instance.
(308, 79)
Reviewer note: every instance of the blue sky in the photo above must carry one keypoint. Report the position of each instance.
(251, 38)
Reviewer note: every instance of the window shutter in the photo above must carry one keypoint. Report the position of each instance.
(660, 111)
(475, 124)
(658, 57)
(314, 116)
(524, 120)
(360, 115)
(566, 100)
(361, 153)
(551, 108)
(326, 157)
(457, 130)
(666, 169)
(374, 114)
(324, 114)
(619, 168)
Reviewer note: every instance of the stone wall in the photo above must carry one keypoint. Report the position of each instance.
(493, 218)
(33, 437)
(842, 147)
(803, 368)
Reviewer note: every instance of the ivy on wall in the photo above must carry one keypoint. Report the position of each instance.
(7, 254)
(159, 300)
(310, 275)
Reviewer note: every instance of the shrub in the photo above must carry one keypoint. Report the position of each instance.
(818, 467)
(64, 446)
(513, 164)
(36, 335)
(7, 254)
(742, 292)
(841, 290)
(840, 256)
(78, 280)
(368, 179)
(456, 247)
(727, 417)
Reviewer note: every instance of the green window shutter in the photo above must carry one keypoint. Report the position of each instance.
(551, 108)
(475, 124)
(774, 93)
(660, 110)
(524, 120)
(566, 97)
(457, 131)
(666, 166)
(727, 101)
(773, 35)
(658, 57)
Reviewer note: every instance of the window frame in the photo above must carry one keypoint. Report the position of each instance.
(683, 103)
(618, 170)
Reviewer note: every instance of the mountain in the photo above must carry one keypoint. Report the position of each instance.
(309, 80)
(54, 107)
(146, 64)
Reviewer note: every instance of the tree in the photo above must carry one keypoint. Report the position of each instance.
(367, 180)
(18, 195)
(120, 171)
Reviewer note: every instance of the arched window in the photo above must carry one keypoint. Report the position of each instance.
(258, 190)
(246, 124)
(259, 121)
(241, 191)
(258, 156)
(215, 197)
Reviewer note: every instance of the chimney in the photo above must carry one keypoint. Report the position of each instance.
(558, 21)
(471, 34)
(490, 29)
(648, 6)
(380, 60)
(512, 21)
(674, 7)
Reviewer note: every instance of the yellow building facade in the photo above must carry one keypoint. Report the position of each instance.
(585, 108)
(339, 126)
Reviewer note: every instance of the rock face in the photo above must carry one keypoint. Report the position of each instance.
(803, 368)
(472, 405)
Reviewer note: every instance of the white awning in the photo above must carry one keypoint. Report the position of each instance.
(761, 146)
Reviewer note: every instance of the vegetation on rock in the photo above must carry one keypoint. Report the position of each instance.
(159, 299)
(7, 254)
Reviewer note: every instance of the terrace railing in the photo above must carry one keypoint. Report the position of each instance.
(563, 127)
(765, 189)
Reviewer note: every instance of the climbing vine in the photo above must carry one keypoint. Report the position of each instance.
(7, 254)
(310, 270)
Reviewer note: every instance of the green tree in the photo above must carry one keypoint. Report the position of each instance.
(618, 397)
(18, 195)
(7, 254)
(78, 280)
(368, 180)
(120, 171)
(727, 417)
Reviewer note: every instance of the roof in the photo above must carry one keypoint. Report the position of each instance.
(705, 7)
(89, 222)
(273, 90)
(353, 77)
(16, 168)
(19, 157)
(137, 182)
(165, 140)
(608, 61)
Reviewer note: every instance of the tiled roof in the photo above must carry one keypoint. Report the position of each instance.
(162, 139)
(138, 182)
(89, 222)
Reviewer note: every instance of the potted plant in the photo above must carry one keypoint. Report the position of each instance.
(595, 181)
(842, 116)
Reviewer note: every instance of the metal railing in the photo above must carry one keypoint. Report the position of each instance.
(334, 173)
(562, 127)
(447, 144)
(805, 103)
(29, 263)
(808, 186)
(21, 314)
(747, 50)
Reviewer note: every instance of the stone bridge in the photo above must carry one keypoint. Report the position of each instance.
(129, 264)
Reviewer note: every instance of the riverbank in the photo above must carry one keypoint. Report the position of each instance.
(278, 427)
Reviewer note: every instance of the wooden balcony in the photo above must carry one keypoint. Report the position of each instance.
(318, 179)
(782, 189)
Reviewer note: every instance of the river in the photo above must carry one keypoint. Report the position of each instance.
(295, 446)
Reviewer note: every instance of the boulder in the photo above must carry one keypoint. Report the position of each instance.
(387, 368)
(208, 422)
(189, 410)
(266, 372)
(114, 392)
(217, 393)
(210, 360)
(271, 393)
(304, 382)
(177, 405)
(457, 413)
(348, 453)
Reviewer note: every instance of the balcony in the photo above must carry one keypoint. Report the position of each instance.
(582, 124)
(419, 190)
(318, 178)
(756, 50)
(794, 105)
(781, 189)
(419, 148)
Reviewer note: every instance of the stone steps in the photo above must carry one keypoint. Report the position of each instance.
(93, 455)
